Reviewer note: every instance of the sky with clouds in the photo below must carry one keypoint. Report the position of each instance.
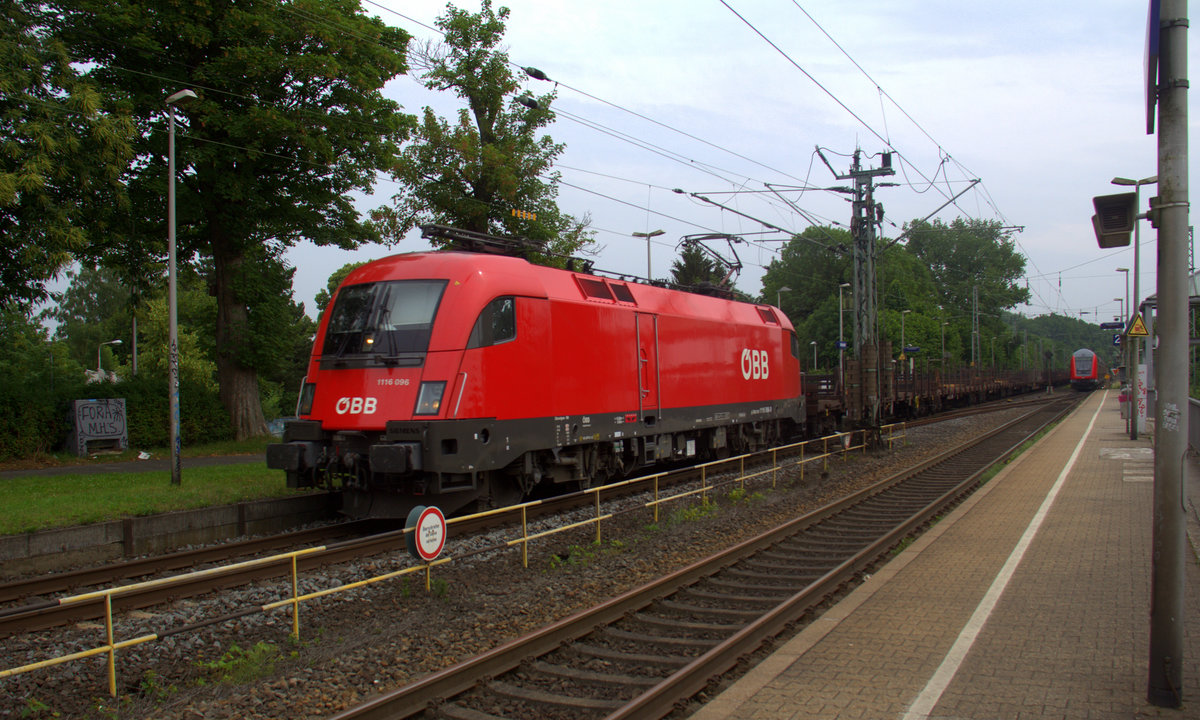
(1042, 102)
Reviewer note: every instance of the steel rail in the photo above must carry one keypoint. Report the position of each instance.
(433, 690)
(141, 567)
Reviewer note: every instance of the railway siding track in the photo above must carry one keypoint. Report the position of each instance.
(642, 653)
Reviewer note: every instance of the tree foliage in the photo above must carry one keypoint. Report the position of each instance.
(290, 119)
(966, 256)
(62, 151)
(933, 276)
(694, 268)
(325, 294)
(488, 170)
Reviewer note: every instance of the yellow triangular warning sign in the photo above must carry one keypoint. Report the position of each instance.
(1137, 328)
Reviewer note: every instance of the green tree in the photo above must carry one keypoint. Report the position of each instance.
(694, 268)
(811, 267)
(969, 256)
(290, 119)
(62, 152)
(36, 377)
(93, 309)
(325, 294)
(473, 174)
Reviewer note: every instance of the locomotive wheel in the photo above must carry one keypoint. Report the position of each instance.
(503, 491)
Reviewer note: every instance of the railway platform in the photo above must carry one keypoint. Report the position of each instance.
(1030, 600)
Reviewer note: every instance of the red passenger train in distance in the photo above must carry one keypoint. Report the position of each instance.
(451, 378)
(1087, 370)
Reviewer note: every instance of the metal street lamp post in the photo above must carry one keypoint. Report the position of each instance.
(814, 347)
(903, 352)
(1126, 271)
(648, 235)
(110, 342)
(779, 296)
(1134, 346)
(176, 442)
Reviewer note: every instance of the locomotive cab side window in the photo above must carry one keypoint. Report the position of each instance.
(497, 324)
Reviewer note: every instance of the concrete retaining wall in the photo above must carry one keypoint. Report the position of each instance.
(113, 541)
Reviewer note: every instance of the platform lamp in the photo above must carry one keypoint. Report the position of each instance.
(903, 352)
(110, 342)
(648, 235)
(779, 296)
(814, 347)
(1134, 349)
(178, 98)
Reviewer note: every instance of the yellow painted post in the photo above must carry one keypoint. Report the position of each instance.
(428, 577)
(774, 466)
(742, 473)
(656, 498)
(295, 600)
(802, 463)
(524, 534)
(112, 650)
(704, 483)
(825, 460)
(597, 517)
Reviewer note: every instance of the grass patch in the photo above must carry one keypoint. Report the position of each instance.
(39, 503)
(238, 666)
(692, 513)
(66, 458)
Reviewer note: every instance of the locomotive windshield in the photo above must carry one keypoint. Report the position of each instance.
(388, 322)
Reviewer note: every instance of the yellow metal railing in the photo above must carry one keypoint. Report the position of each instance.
(843, 445)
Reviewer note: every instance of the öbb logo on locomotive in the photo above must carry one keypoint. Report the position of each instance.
(356, 406)
(755, 364)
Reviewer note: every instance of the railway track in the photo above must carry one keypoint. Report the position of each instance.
(641, 654)
(42, 585)
(366, 538)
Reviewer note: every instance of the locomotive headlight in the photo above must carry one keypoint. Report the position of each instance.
(305, 402)
(429, 399)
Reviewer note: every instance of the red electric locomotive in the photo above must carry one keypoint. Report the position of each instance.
(444, 378)
(1087, 370)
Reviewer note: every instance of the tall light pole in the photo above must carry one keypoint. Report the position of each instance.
(648, 235)
(110, 342)
(1126, 271)
(903, 352)
(1134, 347)
(178, 98)
(814, 346)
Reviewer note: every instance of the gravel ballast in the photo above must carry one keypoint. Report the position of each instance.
(361, 642)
